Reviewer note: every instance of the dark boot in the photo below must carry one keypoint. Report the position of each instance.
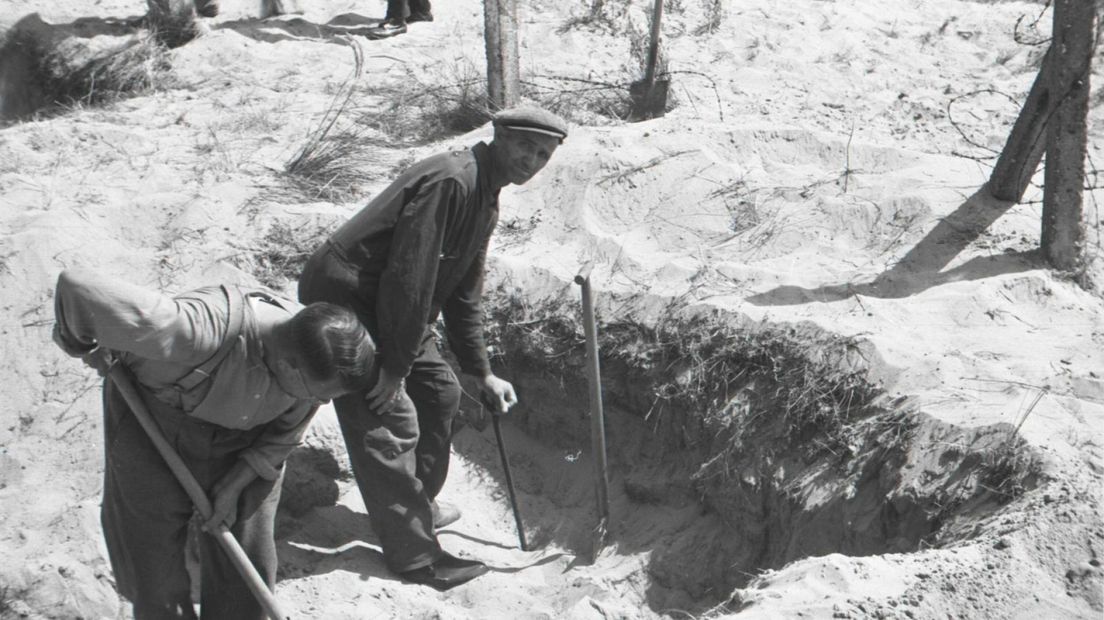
(386, 28)
(447, 572)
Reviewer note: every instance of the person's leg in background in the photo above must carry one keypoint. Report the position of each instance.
(420, 11)
(206, 8)
(397, 10)
(394, 23)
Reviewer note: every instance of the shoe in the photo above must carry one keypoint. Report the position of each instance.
(447, 572)
(419, 17)
(444, 514)
(206, 8)
(385, 29)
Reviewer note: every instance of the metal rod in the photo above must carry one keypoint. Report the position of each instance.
(125, 382)
(597, 417)
(509, 480)
(653, 46)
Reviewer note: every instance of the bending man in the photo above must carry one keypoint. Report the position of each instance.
(232, 376)
(415, 251)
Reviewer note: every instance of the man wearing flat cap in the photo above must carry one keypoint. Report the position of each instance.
(416, 251)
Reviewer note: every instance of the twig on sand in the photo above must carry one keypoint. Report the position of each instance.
(847, 163)
(655, 161)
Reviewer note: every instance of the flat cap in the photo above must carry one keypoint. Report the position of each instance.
(532, 118)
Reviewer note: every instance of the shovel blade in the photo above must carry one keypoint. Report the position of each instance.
(648, 100)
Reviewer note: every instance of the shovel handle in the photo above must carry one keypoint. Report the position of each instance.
(597, 416)
(653, 45)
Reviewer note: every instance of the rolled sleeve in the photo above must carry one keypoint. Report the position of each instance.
(96, 311)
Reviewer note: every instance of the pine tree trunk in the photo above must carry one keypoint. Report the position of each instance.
(1064, 178)
(500, 34)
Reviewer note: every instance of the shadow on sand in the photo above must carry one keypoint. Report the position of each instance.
(331, 539)
(921, 268)
(298, 29)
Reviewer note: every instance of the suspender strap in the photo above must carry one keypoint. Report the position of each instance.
(236, 303)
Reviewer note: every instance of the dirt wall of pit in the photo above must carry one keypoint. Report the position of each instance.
(777, 435)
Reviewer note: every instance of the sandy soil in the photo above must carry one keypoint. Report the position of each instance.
(825, 162)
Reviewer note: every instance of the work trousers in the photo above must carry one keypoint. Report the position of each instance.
(145, 515)
(401, 9)
(400, 458)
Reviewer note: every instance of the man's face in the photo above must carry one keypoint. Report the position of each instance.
(295, 381)
(524, 153)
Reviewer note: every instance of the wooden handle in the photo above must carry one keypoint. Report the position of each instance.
(597, 416)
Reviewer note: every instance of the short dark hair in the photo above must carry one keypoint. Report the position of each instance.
(333, 342)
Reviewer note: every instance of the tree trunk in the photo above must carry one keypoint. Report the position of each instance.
(1064, 178)
(1024, 149)
(500, 35)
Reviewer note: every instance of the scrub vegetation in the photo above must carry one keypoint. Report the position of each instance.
(283, 251)
(348, 147)
(59, 78)
(336, 160)
(424, 109)
(811, 383)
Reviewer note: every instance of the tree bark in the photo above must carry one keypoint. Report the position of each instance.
(1064, 177)
(1024, 149)
(500, 35)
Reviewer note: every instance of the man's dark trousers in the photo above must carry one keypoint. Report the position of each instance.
(402, 9)
(145, 514)
(400, 458)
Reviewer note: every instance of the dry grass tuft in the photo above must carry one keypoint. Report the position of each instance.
(418, 111)
(600, 15)
(351, 145)
(579, 100)
(337, 160)
(282, 252)
(335, 163)
(714, 15)
(1009, 470)
(141, 67)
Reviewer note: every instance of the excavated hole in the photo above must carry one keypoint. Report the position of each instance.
(733, 448)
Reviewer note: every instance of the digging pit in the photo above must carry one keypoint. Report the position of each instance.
(734, 447)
